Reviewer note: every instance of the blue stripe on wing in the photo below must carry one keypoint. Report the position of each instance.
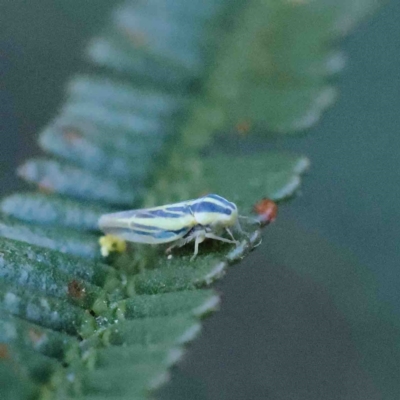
(161, 234)
(157, 214)
(208, 207)
(142, 236)
(222, 200)
(145, 227)
(180, 209)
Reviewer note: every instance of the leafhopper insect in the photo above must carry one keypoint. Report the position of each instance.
(199, 219)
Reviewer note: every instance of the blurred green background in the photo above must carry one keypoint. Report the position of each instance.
(314, 313)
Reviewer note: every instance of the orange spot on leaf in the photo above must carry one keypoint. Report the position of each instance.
(243, 127)
(4, 353)
(35, 335)
(45, 186)
(137, 38)
(76, 290)
(267, 211)
(72, 135)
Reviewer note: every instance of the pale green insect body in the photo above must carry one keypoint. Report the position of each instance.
(182, 222)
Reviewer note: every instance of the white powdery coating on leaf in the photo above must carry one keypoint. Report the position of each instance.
(158, 380)
(11, 301)
(217, 272)
(210, 305)
(9, 329)
(55, 316)
(302, 165)
(44, 303)
(289, 188)
(190, 333)
(325, 99)
(335, 62)
(33, 312)
(174, 355)
(23, 277)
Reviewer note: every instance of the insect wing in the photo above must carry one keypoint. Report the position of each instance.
(140, 235)
(149, 225)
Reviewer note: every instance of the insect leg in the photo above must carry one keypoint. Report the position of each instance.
(196, 249)
(251, 220)
(230, 234)
(211, 235)
(197, 234)
(200, 236)
(179, 243)
(169, 249)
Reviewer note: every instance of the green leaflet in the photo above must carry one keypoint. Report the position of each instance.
(55, 176)
(196, 302)
(15, 384)
(275, 67)
(122, 95)
(50, 343)
(48, 209)
(64, 240)
(44, 310)
(272, 175)
(40, 258)
(132, 133)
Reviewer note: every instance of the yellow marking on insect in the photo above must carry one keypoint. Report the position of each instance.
(110, 244)
(199, 219)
